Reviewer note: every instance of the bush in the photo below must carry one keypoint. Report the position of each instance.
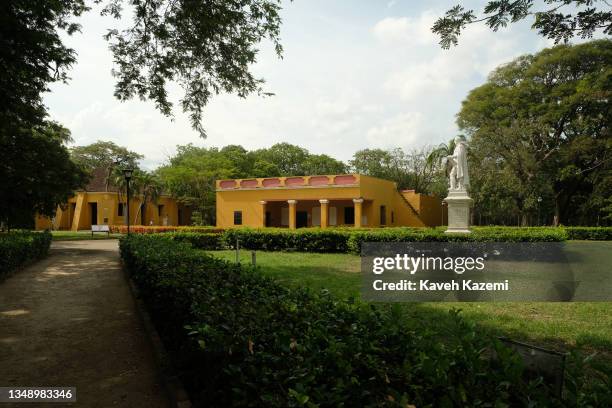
(154, 229)
(209, 241)
(590, 233)
(18, 248)
(240, 339)
(350, 240)
(272, 239)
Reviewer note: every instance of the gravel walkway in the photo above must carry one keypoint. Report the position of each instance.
(70, 320)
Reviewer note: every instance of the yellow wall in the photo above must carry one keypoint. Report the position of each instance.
(76, 214)
(248, 201)
(375, 193)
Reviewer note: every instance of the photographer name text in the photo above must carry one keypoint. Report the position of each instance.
(428, 285)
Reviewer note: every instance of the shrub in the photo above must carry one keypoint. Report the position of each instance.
(271, 239)
(350, 240)
(154, 229)
(18, 248)
(590, 233)
(209, 241)
(240, 339)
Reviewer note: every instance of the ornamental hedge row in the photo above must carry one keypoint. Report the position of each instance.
(590, 233)
(155, 229)
(350, 240)
(239, 339)
(18, 248)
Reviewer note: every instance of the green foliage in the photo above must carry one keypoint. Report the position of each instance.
(36, 172)
(205, 47)
(540, 143)
(590, 233)
(348, 240)
(553, 23)
(33, 56)
(271, 239)
(209, 241)
(241, 339)
(103, 154)
(18, 248)
(413, 169)
(483, 234)
(191, 174)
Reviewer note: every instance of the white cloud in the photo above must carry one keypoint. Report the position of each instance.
(406, 30)
(348, 81)
(402, 130)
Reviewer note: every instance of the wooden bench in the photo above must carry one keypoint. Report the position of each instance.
(100, 228)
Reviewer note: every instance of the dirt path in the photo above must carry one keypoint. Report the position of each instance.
(69, 320)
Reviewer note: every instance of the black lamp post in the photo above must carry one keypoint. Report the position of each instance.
(127, 173)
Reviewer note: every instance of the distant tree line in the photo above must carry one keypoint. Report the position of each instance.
(540, 143)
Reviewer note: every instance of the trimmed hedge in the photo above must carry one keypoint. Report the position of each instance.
(590, 233)
(18, 248)
(155, 229)
(209, 241)
(238, 338)
(277, 239)
(350, 240)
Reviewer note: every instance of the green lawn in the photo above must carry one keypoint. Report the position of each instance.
(80, 235)
(561, 326)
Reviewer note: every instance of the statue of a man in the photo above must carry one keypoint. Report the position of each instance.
(459, 177)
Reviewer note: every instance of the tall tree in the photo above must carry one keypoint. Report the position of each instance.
(105, 155)
(410, 170)
(148, 185)
(323, 164)
(288, 158)
(544, 120)
(559, 20)
(37, 173)
(206, 47)
(190, 177)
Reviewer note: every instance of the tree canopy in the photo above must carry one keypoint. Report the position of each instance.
(559, 20)
(190, 174)
(37, 174)
(204, 47)
(540, 133)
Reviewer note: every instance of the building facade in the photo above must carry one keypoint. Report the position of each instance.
(323, 201)
(102, 204)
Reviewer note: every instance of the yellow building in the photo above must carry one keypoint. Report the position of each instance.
(322, 201)
(101, 204)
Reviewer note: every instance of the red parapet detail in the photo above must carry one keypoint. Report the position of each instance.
(271, 182)
(318, 181)
(248, 183)
(294, 181)
(344, 180)
(225, 184)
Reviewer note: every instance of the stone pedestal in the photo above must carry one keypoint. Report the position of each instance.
(459, 204)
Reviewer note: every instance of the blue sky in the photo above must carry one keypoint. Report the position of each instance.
(355, 75)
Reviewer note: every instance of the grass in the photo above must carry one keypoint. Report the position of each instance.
(81, 235)
(561, 326)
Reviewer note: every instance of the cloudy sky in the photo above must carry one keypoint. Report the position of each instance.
(355, 75)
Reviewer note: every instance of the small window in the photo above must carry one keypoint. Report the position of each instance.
(237, 217)
(383, 215)
(160, 210)
(392, 217)
(120, 210)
